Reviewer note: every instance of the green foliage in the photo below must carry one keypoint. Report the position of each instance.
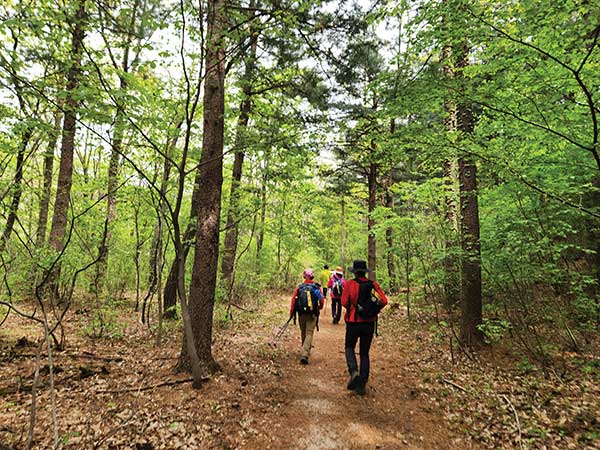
(494, 330)
(104, 322)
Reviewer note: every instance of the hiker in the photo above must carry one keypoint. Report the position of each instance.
(324, 279)
(363, 299)
(336, 287)
(307, 301)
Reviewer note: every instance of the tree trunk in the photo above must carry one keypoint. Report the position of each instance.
(389, 239)
(231, 234)
(450, 261)
(343, 232)
(281, 225)
(113, 167)
(232, 229)
(111, 199)
(372, 242)
(170, 290)
(26, 134)
(204, 270)
(157, 240)
(65, 174)
(17, 188)
(471, 254)
(47, 186)
(263, 214)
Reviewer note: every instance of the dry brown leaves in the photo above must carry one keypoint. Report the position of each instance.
(502, 401)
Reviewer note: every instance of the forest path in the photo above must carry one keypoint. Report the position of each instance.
(322, 414)
(122, 392)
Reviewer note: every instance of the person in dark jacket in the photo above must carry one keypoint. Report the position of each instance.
(359, 328)
(307, 320)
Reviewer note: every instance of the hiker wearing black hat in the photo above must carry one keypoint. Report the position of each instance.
(363, 299)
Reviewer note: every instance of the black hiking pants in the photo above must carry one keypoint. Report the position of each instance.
(363, 332)
(336, 309)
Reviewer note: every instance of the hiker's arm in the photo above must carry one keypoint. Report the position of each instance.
(384, 300)
(293, 303)
(345, 295)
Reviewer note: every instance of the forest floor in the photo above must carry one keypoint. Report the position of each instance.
(120, 391)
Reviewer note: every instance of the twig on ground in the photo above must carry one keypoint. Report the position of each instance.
(146, 388)
(242, 308)
(514, 410)
(84, 355)
(457, 386)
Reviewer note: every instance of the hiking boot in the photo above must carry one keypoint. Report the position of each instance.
(360, 387)
(354, 381)
(304, 360)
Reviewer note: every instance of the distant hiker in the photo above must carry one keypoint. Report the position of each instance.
(363, 299)
(307, 301)
(324, 279)
(336, 287)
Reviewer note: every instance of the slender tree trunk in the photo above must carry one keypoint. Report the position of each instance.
(116, 149)
(471, 253)
(389, 238)
(343, 232)
(26, 134)
(450, 262)
(204, 270)
(407, 269)
(263, 214)
(231, 235)
(65, 174)
(232, 228)
(17, 188)
(281, 222)
(47, 186)
(138, 250)
(111, 201)
(170, 290)
(157, 240)
(471, 261)
(594, 259)
(372, 242)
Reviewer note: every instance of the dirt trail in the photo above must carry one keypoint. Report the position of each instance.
(322, 414)
(264, 399)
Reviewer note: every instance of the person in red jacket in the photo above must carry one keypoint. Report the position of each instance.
(307, 301)
(360, 317)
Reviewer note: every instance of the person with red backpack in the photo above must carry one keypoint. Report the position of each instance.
(336, 287)
(363, 299)
(307, 301)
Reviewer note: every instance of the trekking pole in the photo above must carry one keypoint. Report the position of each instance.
(281, 330)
